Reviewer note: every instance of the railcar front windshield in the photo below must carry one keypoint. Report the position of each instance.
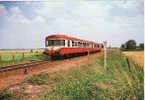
(55, 42)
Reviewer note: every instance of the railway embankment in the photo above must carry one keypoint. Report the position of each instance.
(84, 81)
(18, 75)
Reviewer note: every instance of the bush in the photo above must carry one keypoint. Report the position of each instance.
(38, 78)
(141, 46)
(5, 96)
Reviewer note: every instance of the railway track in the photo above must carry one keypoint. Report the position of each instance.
(22, 66)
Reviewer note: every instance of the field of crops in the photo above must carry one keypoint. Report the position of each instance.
(137, 56)
(20, 51)
(91, 82)
(17, 56)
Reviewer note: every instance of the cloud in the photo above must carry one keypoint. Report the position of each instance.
(91, 10)
(19, 31)
(97, 21)
(15, 11)
(128, 8)
(3, 15)
(2, 10)
(39, 19)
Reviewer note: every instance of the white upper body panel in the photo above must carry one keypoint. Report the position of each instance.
(55, 44)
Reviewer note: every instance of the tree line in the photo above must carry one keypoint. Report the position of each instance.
(131, 45)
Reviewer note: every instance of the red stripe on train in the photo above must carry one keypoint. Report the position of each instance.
(65, 51)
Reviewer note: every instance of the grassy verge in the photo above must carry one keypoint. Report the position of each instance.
(12, 58)
(93, 83)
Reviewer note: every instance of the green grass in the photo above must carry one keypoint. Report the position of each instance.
(94, 83)
(38, 78)
(12, 58)
(43, 78)
(5, 96)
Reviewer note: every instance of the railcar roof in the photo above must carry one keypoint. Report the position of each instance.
(69, 38)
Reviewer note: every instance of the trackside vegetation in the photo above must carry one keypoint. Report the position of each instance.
(18, 57)
(5, 96)
(38, 78)
(93, 83)
(90, 81)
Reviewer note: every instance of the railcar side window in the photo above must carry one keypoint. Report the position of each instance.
(79, 44)
(85, 44)
(76, 44)
(68, 43)
(102, 46)
(73, 43)
(96, 46)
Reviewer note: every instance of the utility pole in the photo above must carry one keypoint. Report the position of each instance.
(105, 55)
(22, 56)
(0, 59)
(88, 55)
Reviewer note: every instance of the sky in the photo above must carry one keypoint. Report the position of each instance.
(26, 24)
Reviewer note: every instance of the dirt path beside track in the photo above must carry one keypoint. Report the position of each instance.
(18, 75)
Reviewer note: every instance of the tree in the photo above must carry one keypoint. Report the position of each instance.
(131, 45)
(122, 47)
(141, 46)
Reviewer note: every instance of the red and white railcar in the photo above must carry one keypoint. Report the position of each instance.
(60, 45)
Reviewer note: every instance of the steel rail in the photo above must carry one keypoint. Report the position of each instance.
(21, 66)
